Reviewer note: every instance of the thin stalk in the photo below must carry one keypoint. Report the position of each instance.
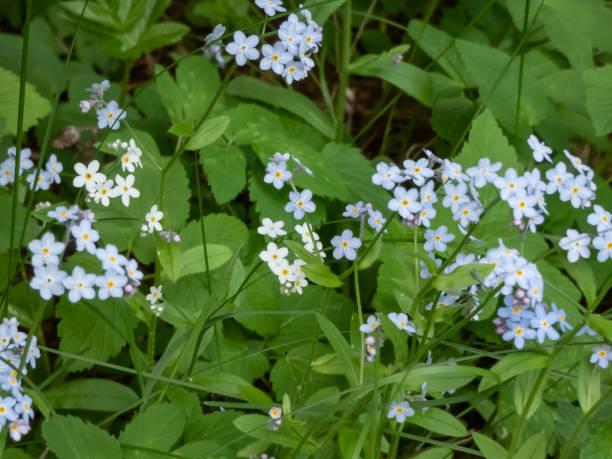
(360, 314)
(520, 77)
(344, 70)
(125, 80)
(209, 283)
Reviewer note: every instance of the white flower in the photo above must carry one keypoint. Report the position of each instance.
(452, 171)
(243, 48)
(46, 250)
(18, 429)
(557, 178)
(97, 89)
(80, 285)
(274, 58)
(88, 176)
(153, 217)
(576, 162)
(111, 258)
(110, 284)
(85, 106)
(577, 191)
(125, 189)
(54, 167)
(271, 229)
(284, 271)
(110, 116)
(523, 205)
(155, 295)
(215, 35)
(400, 411)
(467, 212)
(131, 157)
(304, 231)
(277, 174)
(603, 243)
(418, 170)
(405, 202)
(376, 219)
(345, 245)
(484, 173)
(602, 355)
(7, 171)
(372, 324)
(426, 214)
(48, 280)
(43, 182)
(273, 254)
(271, 7)
(279, 158)
(301, 166)
(103, 192)
(541, 151)
(510, 183)
(294, 71)
(437, 239)
(7, 411)
(600, 218)
(455, 195)
(300, 203)
(85, 236)
(387, 175)
(576, 244)
(25, 162)
(401, 321)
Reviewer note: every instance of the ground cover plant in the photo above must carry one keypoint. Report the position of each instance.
(343, 228)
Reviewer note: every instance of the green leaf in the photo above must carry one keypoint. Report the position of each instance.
(321, 11)
(463, 276)
(181, 130)
(524, 385)
(301, 252)
(93, 328)
(221, 229)
(512, 365)
(533, 448)
(411, 79)
(601, 325)
(342, 348)
(589, 385)
(439, 421)
(91, 394)
(282, 98)
(225, 167)
(192, 260)
(435, 453)
(490, 448)
(160, 35)
(158, 427)
(208, 133)
(32, 228)
(599, 98)
(35, 108)
(321, 274)
(169, 256)
(70, 438)
(256, 425)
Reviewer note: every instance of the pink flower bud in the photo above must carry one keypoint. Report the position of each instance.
(520, 293)
(176, 238)
(498, 321)
(526, 300)
(500, 331)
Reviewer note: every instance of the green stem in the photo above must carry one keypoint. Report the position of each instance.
(209, 283)
(520, 77)
(125, 80)
(344, 70)
(360, 314)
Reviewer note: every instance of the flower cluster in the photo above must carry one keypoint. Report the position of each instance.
(109, 114)
(345, 244)
(130, 154)
(156, 300)
(15, 405)
(400, 320)
(47, 176)
(276, 414)
(120, 274)
(290, 275)
(102, 189)
(152, 224)
(290, 56)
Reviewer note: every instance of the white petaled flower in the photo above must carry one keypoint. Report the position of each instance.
(455, 195)
(523, 205)
(354, 210)
(110, 116)
(312, 37)
(280, 158)
(387, 175)
(132, 271)
(304, 231)
(376, 219)
(576, 162)
(88, 176)
(110, 284)
(452, 171)
(576, 244)
(557, 178)
(405, 202)
(271, 229)
(301, 167)
(85, 236)
(541, 151)
(577, 191)
(273, 254)
(300, 203)
(418, 170)
(484, 173)
(274, 57)
(215, 35)
(153, 217)
(80, 285)
(510, 184)
(371, 324)
(46, 251)
(426, 214)
(603, 243)
(400, 411)
(103, 192)
(277, 174)
(97, 90)
(18, 429)
(54, 167)
(25, 162)
(600, 218)
(294, 71)
(437, 239)
(125, 189)
(7, 411)
(345, 245)
(43, 182)
(7, 171)
(271, 7)
(243, 47)
(154, 295)
(401, 321)
(49, 281)
(602, 355)
(284, 271)
(111, 258)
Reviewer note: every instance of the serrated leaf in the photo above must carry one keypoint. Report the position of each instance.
(599, 98)
(160, 35)
(158, 427)
(35, 108)
(463, 276)
(225, 167)
(70, 438)
(91, 394)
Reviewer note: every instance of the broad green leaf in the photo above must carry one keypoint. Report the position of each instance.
(301, 252)
(599, 98)
(160, 35)
(601, 325)
(411, 79)
(221, 229)
(217, 425)
(438, 377)
(439, 421)
(192, 260)
(91, 394)
(12, 453)
(225, 167)
(208, 133)
(279, 97)
(524, 385)
(490, 448)
(450, 115)
(321, 11)
(321, 274)
(35, 108)
(533, 448)
(222, 383)
(250, 306)
(169, 256)
(560, 290)
(513, 365)
(565, 37)
(371, 256)
(158, 427)
(70, 438)
(342, 348)
(589, 385)
(463, 276)
(93, 328)
(256, 396)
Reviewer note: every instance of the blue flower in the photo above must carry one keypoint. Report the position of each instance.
(543, 323)
(345, 245)
(243, 47)
(376, 219)
(46, 251)
(602, 355)
(54, 167)
(85, 236)
(62, 214)
(561, 317)
(111, 258)
(80, 285)
(299, 203)
(6, 410)
(110, 284)
(274, 58)
(277, 174)
(519, 333)
(49, 281)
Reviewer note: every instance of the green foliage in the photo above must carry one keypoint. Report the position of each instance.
(91, 394)
(225, 167)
